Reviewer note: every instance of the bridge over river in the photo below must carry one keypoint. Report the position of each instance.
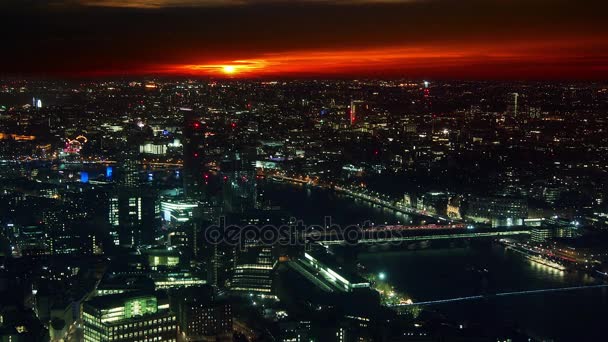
(355, 235)
(499, 295)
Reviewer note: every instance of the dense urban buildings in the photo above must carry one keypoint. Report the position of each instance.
(128, 317)
(198, 210)
(303, 171)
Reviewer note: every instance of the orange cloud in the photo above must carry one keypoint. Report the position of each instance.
(157, 4)
(400, 60)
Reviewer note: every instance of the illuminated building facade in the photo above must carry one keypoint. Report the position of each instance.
(253, 271)
(154, 149)
(176, 280)
(359, 110)
(177, 211)
(498, 210)
(552, 229)
(164, 258)
(453, 209)
(134, 212)
(201, 317)
(134, 215)
(128, 317)
(129, 171)
(30, 240)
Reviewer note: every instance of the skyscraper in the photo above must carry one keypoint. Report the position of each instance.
(358, 111)
(239, 183)
(134, 216)
(253, 271)
(515, 100)
(194, 152)
(134, 212)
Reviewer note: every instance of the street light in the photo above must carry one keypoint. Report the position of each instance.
(382, 275)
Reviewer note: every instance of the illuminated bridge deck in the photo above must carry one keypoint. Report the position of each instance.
(498, 295)
(397, 233)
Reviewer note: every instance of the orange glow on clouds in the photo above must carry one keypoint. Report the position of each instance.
(400, 61)
(236, 67)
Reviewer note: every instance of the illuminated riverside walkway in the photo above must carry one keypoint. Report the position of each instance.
(390, 204)
(501, 294)
(363, 195)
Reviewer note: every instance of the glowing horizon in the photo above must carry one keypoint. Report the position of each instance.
(391, 61)
(486, 39)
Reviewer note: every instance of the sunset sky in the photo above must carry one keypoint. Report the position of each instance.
(465, 39)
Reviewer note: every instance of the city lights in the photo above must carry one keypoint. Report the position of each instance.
(290, 170)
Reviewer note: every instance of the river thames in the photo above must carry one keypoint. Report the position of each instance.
(464, 270)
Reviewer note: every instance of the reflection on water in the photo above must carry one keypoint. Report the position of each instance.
(544, 268)
(312, 205)
(431, 274)
(449, 273)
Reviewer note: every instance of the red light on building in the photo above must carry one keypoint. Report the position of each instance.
(233, 125)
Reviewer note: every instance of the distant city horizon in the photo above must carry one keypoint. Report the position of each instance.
(303, 170)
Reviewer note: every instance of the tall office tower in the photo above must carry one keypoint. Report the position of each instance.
(200, 316)
(239, 183)
(427, 104)
(515, 100)
(134, 211)
(253, 270)
(128, 169)
(129, 316)
(194, 153)
(36, 103)
(426, 90)
(219, 261)
(129, 172)
(359, 110)
(57, 230)
(352, 113)
(134, 215)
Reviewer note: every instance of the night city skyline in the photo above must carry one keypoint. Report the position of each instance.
(303, 170)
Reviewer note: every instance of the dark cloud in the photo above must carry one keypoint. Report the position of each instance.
(87, 36)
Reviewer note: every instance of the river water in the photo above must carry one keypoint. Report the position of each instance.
(442, 273)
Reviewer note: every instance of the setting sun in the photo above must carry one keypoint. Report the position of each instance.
(229, 69)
